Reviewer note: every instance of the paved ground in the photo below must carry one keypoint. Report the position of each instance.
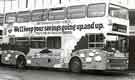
(10, 73)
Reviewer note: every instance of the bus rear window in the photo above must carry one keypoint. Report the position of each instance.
(96, 10)
(76, 11)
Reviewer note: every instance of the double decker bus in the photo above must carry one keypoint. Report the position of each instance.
(81, 36)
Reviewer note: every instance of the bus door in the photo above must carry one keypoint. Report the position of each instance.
(44, 58)
(48, 57)
(54, 45)
(41, 56)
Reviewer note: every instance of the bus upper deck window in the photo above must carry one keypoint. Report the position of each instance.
(57, 14)
(45, 14)
(96, 10)
(76, 11)
(37, 15)
(10, 17)
(24, 16)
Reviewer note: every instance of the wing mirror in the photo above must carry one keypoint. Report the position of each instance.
(113, 50)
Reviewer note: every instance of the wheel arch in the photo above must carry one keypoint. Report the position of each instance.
(22, 64)
(74, 58)
(70, 65)
(18, 56)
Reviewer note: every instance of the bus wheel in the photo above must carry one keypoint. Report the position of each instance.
(21, 62)
(75, 65)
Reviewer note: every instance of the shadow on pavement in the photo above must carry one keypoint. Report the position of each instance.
(88, 72)
(9, 77)
(106, 73)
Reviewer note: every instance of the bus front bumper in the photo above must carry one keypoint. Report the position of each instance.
(110, 64)
(117, 64)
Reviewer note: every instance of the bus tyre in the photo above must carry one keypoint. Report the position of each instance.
(75, 65)
(21, 62)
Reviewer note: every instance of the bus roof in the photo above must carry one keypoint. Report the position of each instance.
(75, 2)
(123, 3)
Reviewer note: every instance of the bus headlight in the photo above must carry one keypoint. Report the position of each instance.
(88, 59)
(91, 54)
(8, 55)
(127, 61)
(82, 55)
(98, 58)
(16, 56)
(6, 58)
(93, 51)
(97, 53)
(28, 61)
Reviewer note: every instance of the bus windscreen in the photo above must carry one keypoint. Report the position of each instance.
(118, 11)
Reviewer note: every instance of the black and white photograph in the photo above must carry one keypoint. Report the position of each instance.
(67, 39)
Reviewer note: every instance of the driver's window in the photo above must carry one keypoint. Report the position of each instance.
(45, 51)
(110, 46)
